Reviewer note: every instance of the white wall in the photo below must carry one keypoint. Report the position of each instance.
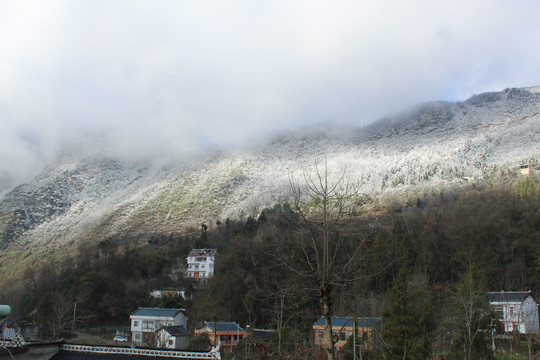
(529, 315)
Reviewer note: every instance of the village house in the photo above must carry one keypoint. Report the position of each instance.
(227, 334)
(517, 310)
(172, 337)
(343, 327)
(200, 263)
(168, 291)
(146, 321)
(260, 338)
(19, 325)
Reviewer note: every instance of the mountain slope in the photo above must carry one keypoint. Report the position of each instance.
(82, 200)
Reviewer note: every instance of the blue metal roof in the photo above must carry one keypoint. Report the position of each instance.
(176, 330)
(223, 326)
(508, 296)
(366, 322)
(157, 312)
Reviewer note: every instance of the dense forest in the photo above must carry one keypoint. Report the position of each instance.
(413, 260)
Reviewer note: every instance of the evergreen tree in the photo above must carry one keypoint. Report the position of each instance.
(407, 321)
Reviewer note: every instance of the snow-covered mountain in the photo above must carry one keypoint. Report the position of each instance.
(430, 146)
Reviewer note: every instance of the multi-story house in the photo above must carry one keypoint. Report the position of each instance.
(343, 328)
(517, 310)
(201, 263)
(146, 321)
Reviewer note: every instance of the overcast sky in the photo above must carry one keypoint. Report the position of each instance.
(145, 78)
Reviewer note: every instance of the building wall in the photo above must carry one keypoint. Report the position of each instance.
(144, 327)
(161, 293)
(341, 334)
(517, 316)
(529, 314)
(227, 339)
(200, 266)
(167, 341)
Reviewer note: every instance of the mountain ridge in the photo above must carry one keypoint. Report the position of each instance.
(429, 146)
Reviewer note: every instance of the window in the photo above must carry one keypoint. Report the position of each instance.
(342, 336)
(321, 335)
(148, 325)
(135, 323)
(170, 341)
(499, 310)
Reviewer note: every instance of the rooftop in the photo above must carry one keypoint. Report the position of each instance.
(176, 330)
(203, 252)
(223, 326)
(261, 335)
(157, 312)
(365, 322)
(508, 296)
(170, 289)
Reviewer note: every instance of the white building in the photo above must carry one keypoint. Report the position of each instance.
(172, 337)
(146, 321)
(168, 291)
(201, 263)
(517, 310)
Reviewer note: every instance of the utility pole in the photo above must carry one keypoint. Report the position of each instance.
(354, 337)
(74, 315)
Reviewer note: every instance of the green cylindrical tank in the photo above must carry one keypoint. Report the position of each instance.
(5, 310)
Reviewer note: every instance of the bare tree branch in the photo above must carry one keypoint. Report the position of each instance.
(322, 251)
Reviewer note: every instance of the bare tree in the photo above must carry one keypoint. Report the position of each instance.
(287, 301)
(472, 317)
(59, 312)
(320, 253)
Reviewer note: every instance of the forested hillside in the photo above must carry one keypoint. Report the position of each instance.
(488, 231)
(82, 200)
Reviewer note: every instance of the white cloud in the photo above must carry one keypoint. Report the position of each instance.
(149, 77)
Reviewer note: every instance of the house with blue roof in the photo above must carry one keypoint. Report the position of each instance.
(517, 310)
(343, 328)
(227, 334)
(145, 322)
(172, 337)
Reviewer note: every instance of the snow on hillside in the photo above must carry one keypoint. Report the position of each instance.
(427, 146)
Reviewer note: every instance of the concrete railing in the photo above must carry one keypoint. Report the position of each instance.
(145, 352)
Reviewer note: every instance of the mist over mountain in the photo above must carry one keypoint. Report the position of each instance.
(83, 199)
